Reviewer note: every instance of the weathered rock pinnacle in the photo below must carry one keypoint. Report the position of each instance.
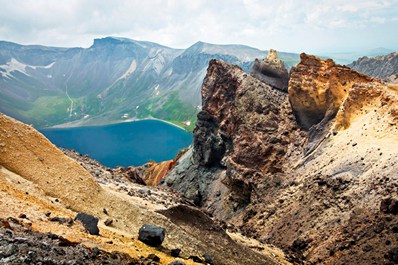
(271, 71)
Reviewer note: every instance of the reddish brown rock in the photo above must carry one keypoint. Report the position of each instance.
(245, 132)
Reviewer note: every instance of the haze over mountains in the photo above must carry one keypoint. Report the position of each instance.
(113, 80)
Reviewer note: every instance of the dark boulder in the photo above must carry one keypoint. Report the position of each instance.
(151, 235)
(89, 222)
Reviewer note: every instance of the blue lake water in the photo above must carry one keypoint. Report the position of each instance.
(123, 144)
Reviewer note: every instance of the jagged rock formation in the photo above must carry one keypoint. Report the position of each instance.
(271, 71)
(334, 203)
(245, 133)
(45, 190)
(383, 67)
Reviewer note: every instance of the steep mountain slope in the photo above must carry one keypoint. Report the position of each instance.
(323, 187)
(383, 67)
(113, 80)
(43, 189)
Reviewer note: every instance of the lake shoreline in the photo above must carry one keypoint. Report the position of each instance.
(82, 123)
(127, 143)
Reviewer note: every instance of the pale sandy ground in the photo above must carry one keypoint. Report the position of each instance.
(36, 178)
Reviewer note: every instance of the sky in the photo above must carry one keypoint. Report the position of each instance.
(286, 25)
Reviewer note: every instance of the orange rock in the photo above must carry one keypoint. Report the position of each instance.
(318, 87)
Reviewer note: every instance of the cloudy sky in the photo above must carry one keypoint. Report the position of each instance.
(287, 25)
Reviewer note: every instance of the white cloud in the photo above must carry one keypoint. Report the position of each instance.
(378, 20)
(285, 24)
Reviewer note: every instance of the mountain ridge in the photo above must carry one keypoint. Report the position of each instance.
(384, 67)
(113, 78)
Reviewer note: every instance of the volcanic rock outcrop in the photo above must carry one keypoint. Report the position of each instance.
(245, 135)
(383, 67)
(271, 71)
(248, 166)
(318, 87)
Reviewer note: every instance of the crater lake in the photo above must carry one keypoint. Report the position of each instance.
(123, 144)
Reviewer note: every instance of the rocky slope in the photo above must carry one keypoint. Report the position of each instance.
(383, 67)
(42, 190)
(323, 186)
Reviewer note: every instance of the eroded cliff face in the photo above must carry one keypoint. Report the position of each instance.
(318, 87)
(323, 188)
(245, 134)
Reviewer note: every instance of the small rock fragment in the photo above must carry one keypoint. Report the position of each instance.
(22, 215)
(108, 222)
(208, 259)
(392, 255)
(8, 250)
(96, 251)
(389, 206)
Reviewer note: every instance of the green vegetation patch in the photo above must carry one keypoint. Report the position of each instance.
(171, 109)
(48, 110)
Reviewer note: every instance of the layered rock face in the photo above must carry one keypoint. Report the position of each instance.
(334, 204)
(383, 67)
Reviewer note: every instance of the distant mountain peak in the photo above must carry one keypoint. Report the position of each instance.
(109, 41)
